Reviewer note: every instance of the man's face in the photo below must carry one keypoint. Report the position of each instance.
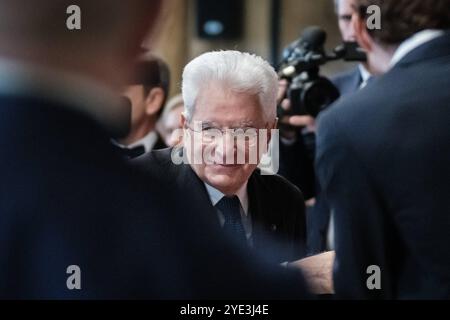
(344, 13)
(221, 109)
(136, 95)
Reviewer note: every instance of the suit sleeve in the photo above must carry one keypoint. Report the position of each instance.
(299, 234)
(361, 226)
(297, 166)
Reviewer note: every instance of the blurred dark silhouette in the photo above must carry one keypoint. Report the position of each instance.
(66, 198)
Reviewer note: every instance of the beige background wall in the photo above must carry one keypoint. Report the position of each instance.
(178, 43)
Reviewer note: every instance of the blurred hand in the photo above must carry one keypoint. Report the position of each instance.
(318, 272)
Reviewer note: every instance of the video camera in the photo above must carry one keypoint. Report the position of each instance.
(309, 92)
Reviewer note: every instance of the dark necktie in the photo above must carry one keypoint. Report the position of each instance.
(230, 208)
(131, 153)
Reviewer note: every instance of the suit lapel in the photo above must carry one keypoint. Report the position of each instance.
(356, 80)
(261, 212)
(188, 179)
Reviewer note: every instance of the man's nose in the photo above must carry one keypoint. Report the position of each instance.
(226, 148)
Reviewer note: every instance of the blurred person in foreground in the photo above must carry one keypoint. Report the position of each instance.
(382, 158)
(75, 220)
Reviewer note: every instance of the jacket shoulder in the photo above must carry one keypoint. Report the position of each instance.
(345, 75)
(161, 156)
(276, 185)
(156, 162)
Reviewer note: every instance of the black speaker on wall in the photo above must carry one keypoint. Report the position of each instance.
(220, 19)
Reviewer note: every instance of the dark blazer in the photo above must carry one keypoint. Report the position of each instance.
(67, 199)
(131, 153)
(382, 160)
(318, 218)
(297, 165)
(160, 144)
(275, 205)
(348, 82)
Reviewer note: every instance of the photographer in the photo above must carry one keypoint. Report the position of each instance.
(297, 148)
(359, 76)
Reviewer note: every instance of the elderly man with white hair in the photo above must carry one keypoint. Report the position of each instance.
(230, 95)
(75, 221)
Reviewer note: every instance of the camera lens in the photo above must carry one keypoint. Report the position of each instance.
(318, 95)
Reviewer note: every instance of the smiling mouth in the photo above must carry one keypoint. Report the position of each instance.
(224, 165)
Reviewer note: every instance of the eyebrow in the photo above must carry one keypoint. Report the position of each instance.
(208, 124)
(248, 123)
(245, 123)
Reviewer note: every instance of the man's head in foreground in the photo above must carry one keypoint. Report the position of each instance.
(104, 49)
(400, 20)
(230, 109)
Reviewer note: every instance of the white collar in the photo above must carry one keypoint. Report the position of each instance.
(148, 142)
(215, 195)
(365, 74)
(414, 42)
(74, 91)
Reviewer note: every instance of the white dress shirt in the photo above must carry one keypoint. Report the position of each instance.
(365, 76)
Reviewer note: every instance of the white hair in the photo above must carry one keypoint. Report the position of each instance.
(237, 71)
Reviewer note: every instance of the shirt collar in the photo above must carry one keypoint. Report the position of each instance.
(414, 42)
(365, 74)
(215, 195)
(73, 91)
(148, 142)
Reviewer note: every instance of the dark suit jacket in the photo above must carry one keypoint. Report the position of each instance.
(318, 218)
(383, 161)
(297, 165)
(348, 82)
(67, 199)
(275, 205)
(160, 144)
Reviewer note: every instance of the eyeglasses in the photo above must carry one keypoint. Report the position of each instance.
(247, 135)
